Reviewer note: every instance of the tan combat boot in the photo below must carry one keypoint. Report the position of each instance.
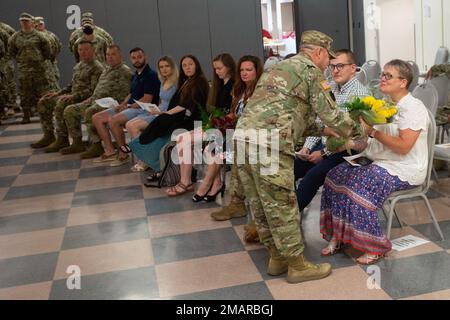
(76, 147)
(301, 270)
(58, 145)
(26, 117)
(45, 141)
(251, 233)
(94, 151)
(277, 263)
(236, 209)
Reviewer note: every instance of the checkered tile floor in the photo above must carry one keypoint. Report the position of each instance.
(131, 242)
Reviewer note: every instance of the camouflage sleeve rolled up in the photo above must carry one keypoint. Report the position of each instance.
(12, 48)
(441, 68)
(326, 109)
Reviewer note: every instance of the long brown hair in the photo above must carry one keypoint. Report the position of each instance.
(240, 88)
(217, 83)
(184, 83)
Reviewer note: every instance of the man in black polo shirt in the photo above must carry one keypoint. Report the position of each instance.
(145, 87)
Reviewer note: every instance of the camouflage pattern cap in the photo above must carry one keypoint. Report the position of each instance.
(318, 38)
(26, 16)
(38, 20)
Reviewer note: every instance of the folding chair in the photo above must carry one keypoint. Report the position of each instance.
(373, 71)
(420, 191)
(428, 94)
(416, 73)
(442, 84)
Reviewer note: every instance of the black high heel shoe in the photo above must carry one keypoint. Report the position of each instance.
(198, 198)
(212, 198)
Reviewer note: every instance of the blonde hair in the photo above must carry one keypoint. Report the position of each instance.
(173, 79)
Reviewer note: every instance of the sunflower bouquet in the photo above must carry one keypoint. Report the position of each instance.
(373, 111)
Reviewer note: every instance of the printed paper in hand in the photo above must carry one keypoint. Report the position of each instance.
(150, 107)
(407, 242)
(107, 103)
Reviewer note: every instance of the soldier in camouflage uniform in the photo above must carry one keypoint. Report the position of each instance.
(3, 81)
(100, 44)
(114, 82)
(9, 92)
(30, 49)
(287, 99)
(443, 112)
(56, 47)
(88, 19)
(84, 80)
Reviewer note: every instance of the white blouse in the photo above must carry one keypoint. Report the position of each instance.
(411, 167)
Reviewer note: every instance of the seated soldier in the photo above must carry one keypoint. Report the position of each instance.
(114, 82)
(144, 88)
(443, 112)
(84, 79)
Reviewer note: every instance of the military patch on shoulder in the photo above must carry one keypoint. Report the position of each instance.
(325, 85)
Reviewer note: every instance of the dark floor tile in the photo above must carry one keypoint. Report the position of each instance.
(104, 171)
(14, 161)
(26, 132)
(102, 196)
(135, 284)
(51, 166)
(6, 182)
(33, 221)
(27, 270)
(429, 231)
(195, 245)
(14, 145)
(104, 233)
(412, 276)
(175, 204)
(240, 221)
(251, 291)
(37, 190)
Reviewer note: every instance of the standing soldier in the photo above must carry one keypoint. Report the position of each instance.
(114, 82)
(10, 91)
(56, 46)
(100, 44)
(88, 17)
(3, 81)
(287, 99)
(30, 49)
(84, 80)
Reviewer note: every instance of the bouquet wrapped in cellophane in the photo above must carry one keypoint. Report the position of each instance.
(373, 111)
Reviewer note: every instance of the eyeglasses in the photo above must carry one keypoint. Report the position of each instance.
(388, 76)
(338, 66)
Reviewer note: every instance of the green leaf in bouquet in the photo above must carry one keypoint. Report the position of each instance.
(334, 143)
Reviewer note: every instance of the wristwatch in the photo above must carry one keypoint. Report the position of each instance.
(372, 133)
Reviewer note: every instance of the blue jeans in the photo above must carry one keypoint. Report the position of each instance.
(313, 175)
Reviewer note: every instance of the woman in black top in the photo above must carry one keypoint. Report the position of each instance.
(219, 97)
(192, 90)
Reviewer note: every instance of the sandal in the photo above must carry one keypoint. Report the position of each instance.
(368, 259)
(125, 148)
(153, 176)
(173, 192)
(139, 167)
(332, 248)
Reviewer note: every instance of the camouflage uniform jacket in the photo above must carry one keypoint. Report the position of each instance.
(100, 47)
(6, 27)
(441, 68)
(114, 82)
(30, 50)
(84, 80)
(98, 32)
(289, 97)
(55, 43)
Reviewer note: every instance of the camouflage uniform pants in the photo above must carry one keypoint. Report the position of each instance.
(236, 189)
(274, 208)
(11, 88)
(61, 126)
(32, 87)
(46, 108)
(92, 131)
(73, 115)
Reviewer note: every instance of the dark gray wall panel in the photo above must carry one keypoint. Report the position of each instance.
(359, 38)
(185, 30)
(328, 16)
(141, 29)
(236, 18)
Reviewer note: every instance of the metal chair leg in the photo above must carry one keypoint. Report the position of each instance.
(430, 210)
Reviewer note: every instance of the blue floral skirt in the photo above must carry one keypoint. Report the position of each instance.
(349, 205)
